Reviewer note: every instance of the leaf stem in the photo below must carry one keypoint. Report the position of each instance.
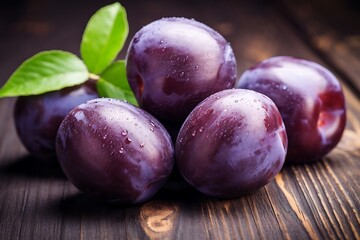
(93, 76)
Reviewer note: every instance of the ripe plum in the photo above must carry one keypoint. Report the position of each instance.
(232, 143)
(310, 100)
(37, 118)
(175, 63)
(115, 151)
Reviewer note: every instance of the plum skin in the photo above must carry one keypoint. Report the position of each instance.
(310, 100)
(114, 151)
(231, 144)
(37, 118)
(175, 63)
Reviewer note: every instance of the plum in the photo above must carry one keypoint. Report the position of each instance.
(114, 151)
(37, 118)
(231, 144)
(175, 63)
(310, 100)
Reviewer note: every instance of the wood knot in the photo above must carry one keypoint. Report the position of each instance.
(157, 218)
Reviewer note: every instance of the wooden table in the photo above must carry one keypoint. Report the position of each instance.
(312, 201)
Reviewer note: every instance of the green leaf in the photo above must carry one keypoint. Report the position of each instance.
(116, 74)
(104, 37)
(44, 72)
(113, 83)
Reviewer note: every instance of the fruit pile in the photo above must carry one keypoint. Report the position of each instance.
(183, 108)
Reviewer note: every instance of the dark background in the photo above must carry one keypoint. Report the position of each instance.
(30, 26)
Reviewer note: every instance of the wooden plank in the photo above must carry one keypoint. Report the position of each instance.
(318, 201)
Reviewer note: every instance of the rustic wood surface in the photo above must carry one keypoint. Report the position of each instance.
(312, 201)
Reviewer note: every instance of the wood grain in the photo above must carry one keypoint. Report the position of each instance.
(312, 201)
